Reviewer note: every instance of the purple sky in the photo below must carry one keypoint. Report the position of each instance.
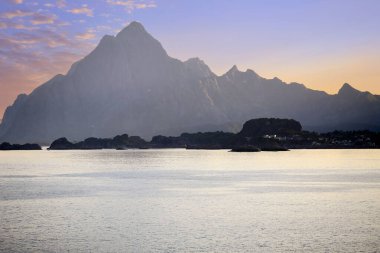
(319, 43)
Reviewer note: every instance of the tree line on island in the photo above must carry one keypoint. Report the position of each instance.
(27, 146)
(251, 139)
(264, 134)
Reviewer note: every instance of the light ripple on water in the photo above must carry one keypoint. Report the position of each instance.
(190, 201)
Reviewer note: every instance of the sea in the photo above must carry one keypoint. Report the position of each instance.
(177, 200)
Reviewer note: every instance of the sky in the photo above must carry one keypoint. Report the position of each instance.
(320, 43)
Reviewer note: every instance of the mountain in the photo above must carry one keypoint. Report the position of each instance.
(129, 84)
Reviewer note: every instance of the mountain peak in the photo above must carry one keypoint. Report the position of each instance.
(347, 90)
(133, 28)
(136, 25)
(251, 72)
(198, 66)
(140, 43)
(232, 71)
(196, 60)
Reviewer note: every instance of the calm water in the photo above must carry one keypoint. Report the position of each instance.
(190, 201)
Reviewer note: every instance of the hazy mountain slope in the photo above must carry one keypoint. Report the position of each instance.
(129, 84)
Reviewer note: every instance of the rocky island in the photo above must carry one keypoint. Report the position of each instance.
(118, 142)
(263, 134)
(27, 146)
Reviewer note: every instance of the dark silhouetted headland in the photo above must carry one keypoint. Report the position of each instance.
(27, 146)
(118, 142)
(264, 134)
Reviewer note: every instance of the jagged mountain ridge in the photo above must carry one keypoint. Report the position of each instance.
(128, 84)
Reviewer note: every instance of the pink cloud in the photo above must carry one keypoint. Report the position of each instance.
(15, 14)
(89, 34)
(39, 19)
(133, 4)
(17, 1)
(61, 3)
(10, 24)
(82, 10)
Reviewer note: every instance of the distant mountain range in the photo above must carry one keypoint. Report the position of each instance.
(129, 84)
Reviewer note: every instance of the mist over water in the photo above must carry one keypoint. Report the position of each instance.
(190, 201)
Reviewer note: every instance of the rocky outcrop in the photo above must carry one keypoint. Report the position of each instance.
(246, 149)
(118, 142)
(27, 146)
(62, 143)
(271, 126)
(257, 135)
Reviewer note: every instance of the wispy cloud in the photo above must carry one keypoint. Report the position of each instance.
(131, 5)
(15, 14)
(49, 5)
(43, 38)
(9, 24)
(61, 3)
(82, 10)
(17, 1)
(39, 19)
(89, 34)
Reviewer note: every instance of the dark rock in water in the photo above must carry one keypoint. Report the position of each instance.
(267, 144)
(136, 141)
(257, 135)
(160, 141)
(62, 143)
(95, 143)
(6, 146)
(205, 146)
(119, 142)
(27, 146)
(209, 140)
(246, 149)
(265, 126)
(273, 148)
